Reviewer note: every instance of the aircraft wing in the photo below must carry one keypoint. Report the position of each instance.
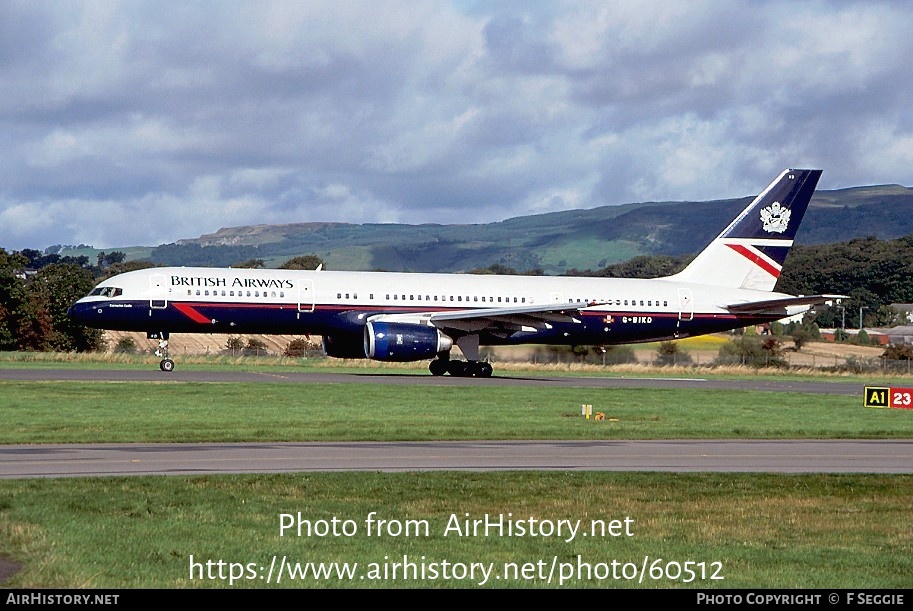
(496, 320)
(776, 306)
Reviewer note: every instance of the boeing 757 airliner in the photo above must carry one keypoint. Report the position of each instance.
(414, 317)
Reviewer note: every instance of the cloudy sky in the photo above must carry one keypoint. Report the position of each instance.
(126, 123)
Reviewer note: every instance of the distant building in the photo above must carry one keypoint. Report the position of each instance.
(878, 337)
(899, 335)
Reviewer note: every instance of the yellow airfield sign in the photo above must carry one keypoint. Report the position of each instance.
(887, 397)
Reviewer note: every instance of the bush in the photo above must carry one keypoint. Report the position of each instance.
(255, 347)
(752, 351)
(669, 353)
(296, 348)
(898, 352)
(594, 355)
(125, 345)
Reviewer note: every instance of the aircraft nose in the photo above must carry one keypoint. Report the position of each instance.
(77, 311)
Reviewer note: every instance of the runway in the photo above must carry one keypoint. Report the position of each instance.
(777, 456)
(379, 377)
(785, 456)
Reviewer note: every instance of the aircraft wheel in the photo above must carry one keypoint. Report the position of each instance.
(478, 369)
(438, 367)
(166, 365)
(484, 370)
(457, 368)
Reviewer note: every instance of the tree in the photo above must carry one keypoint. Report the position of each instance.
(115, 257)
(495, 268)
(250, 264)
(303, 262)
(12, 298)
(801, 336)
(234, 345)
(53, 290)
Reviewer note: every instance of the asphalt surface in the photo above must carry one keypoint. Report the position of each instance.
(153, 375)
(780, 456)
(788, 456)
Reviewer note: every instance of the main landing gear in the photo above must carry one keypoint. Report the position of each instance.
(460, 369)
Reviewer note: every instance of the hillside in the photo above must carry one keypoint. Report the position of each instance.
(553, 242)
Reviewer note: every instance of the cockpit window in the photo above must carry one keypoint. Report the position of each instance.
(106, 291)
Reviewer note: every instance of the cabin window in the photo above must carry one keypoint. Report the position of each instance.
(338, 295)
(523, 300)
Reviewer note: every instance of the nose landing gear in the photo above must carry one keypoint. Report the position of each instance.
(166, 364)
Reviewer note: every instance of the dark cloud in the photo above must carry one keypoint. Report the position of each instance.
(165, 121)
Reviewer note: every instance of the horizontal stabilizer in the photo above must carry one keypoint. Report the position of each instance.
(779, 305)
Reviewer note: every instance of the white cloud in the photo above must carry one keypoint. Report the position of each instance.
(166, 121)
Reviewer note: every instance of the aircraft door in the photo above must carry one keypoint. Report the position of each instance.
(685, 305)
(306, 295)
(158, 292)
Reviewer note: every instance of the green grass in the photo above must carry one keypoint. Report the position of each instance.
(765, 531)
(281, 364)
(89, 412)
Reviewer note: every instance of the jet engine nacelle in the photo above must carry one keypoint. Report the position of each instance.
(387, 341)
(344, 346)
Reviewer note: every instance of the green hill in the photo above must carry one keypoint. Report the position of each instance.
(554, 242)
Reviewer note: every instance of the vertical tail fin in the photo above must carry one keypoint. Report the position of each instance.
(750, 252)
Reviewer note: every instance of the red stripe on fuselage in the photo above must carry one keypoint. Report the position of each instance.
(756, 259)
(188, 311)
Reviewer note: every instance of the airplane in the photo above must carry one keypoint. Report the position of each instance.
(406, 317)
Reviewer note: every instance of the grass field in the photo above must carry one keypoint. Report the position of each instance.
(755, 530)
(92, 412)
